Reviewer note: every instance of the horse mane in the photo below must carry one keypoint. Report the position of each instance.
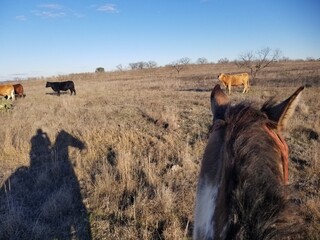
(260, 205)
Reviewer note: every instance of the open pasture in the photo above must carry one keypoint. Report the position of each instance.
(120, 160)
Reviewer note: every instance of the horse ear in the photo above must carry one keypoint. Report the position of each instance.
(219, 101)
(283, 111)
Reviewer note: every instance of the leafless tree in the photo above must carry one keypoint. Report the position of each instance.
(202, 60)
(310, 59)
(180, 64)
(223, 60)
(259, 60)
(133, 66)
(185, 61)
(142, 65)
(176, 66)
(119, 67)
(137, 65)
(151, 64)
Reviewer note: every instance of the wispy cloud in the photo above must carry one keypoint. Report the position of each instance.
(49, 14)
(21, 18)
(52, 6)
(108, 8)
(77, 14)
(51, 10)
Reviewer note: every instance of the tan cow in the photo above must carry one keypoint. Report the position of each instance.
(7, 90)
(229, 80)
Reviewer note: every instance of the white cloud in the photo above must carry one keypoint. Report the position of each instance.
(52, 6)
(78, 15)
(109, 8)
(21, 18)
(50, 10)
(50, 14)
(53, 10)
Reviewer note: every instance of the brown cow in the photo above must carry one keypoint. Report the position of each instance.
(7, 91)
(229, 80)
(18, 89)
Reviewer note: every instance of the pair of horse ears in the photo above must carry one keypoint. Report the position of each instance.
(279, 113)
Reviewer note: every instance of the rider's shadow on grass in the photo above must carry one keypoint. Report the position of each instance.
(43, 201)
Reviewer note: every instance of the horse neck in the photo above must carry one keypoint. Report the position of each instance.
(212, 210)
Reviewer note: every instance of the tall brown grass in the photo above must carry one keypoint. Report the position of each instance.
(144, 133)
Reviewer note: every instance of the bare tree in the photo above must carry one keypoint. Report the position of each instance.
(133, 66)
(202, 60)
(223, 60)
(180, 64)
(259, 60)
(310, 59)
(151, 64)
(185, 61)
(176, 66)
(137, 65)
(142, 65)
(119, 67)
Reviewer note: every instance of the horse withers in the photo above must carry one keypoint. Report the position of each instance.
(242, 186)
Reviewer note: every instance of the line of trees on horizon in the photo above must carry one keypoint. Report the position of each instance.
(253, 61)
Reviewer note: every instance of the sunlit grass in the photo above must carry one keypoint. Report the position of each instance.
(144, 134)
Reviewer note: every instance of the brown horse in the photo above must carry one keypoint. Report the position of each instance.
(242, 190)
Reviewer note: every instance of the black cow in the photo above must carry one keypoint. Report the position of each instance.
(62, 86)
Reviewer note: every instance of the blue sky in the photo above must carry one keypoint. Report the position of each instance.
(44, 38)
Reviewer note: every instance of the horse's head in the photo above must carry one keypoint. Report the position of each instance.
(65, 139)
(245, 162)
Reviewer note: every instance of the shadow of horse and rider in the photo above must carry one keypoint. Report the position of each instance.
(43, 201)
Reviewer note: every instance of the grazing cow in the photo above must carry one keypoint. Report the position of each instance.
(229, 80)
(18, 89)
(242, 189)
(7, 91)
(62, 86)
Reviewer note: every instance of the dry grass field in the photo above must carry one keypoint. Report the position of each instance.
(120, 159)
